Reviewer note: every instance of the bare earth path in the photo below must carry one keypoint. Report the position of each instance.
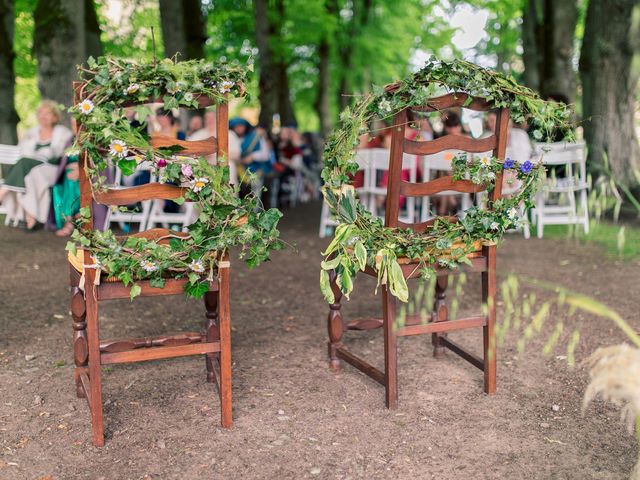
(295, 419)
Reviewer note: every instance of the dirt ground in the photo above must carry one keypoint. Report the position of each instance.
(294, 418)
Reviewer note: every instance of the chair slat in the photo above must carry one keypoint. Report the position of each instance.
(195, 148)
(422, 226)
(438, 185)
(129, 195)
(161, 235)
(449, 142)
(450, 100)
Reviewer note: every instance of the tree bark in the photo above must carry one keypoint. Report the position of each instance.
(548, 31)
(609, 87)
(8, 115)
(66, 33)
(323, 102)
(273, 82)
(184, 28)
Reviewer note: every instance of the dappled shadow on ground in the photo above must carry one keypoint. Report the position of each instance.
(293, 417)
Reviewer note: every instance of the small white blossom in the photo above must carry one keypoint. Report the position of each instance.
(385, 105)
(485, 161)
(197, 266)
(117, 148)
(198, 184)
(225, 87)
(86, 107)
(491, 175)
(512, 213)
(148, 266)
(188, 96)
(494, 226)
(133, 88)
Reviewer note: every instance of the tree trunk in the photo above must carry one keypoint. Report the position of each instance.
(8, 116)
(609, 87)
(184, 28)
(66, 33)
(548, 31)
(323, 103)
(273, 82)
(530, 44)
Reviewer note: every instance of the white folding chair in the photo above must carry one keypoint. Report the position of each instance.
(440, 161)
(140, 216)
(563, 199)
(327, 221)
(9, 155)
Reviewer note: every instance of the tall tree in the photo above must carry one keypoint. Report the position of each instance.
(273, 83)
(548, 34)
(66, 34)
(609, 85)
(184, 28)
(8, 116)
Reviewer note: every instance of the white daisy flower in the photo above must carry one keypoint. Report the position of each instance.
(86, 107)
(512, 213)
(188, 96)
(117, 148)
(491, 175)
(148, 266)
(198, 184)
(494, 226)
(225, 87)
(197, 266)
(133, 88)
(385, 105)
(485, 161)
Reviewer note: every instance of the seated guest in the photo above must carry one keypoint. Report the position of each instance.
(66, 195)
(195, 124)
(166, 125)
(254, 151)
(27, 183)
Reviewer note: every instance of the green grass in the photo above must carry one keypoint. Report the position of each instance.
(625, 245)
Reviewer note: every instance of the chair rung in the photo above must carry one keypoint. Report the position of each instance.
(469, 357)
(157, 353)
(446, 326)
(361, 365)
(126, 344)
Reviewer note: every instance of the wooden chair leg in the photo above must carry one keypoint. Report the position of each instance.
(224, 330)
(335, 324)
(211, 332)
(95, 374)
(390, 348)
(80, 347)
(489, 336)
(441, 314)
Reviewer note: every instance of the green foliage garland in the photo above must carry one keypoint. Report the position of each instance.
(224, 219)
(361, 240)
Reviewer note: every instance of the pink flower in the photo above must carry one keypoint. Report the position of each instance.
(161, 163)
(186, 169)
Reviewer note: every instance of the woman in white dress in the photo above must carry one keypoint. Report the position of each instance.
(26, 188)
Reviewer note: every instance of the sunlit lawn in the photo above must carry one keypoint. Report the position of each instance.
(622, 241)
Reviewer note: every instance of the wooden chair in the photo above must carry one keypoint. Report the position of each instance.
(483, 260)
(90, 352)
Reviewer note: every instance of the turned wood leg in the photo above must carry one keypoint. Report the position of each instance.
(211, 331)
(489, 335)
(80, 347)
(95, 373)
(335, 323)
(390, 348)
(440, 314)
(224, 330)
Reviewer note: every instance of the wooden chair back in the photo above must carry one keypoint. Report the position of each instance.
(218, 144)
(400, 146)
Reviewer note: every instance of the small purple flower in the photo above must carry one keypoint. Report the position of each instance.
(508, 164)
(161, 163)
(526, 167)
(186, 169)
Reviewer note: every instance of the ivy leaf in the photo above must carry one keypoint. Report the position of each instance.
(71, 247)
(135, 291)
(361, 255)
(157, 282)
(325, 287)
(127, 166)
(196, 290)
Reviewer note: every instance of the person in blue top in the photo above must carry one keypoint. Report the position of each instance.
(255, 154)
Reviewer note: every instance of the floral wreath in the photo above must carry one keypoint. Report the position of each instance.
(225, 220)
(361, 240)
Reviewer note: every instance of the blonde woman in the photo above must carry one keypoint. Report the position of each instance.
(26, 189)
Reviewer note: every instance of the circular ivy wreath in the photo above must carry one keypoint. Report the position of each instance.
(361, 240)
(225, 220)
